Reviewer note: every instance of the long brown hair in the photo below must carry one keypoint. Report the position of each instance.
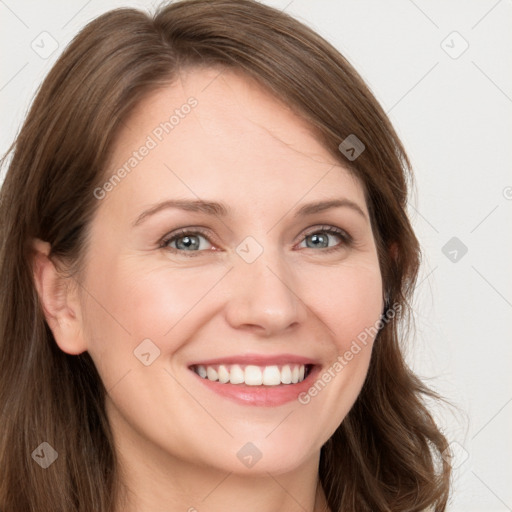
(386, 454)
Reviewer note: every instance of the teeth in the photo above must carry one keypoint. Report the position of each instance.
(271, 376)
(253, 375)
(223, 374)
(211, 373)
(286, 374)
(236, 374)
(295, 375)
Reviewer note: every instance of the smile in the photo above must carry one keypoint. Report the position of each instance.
(257, 379)
(252, 375)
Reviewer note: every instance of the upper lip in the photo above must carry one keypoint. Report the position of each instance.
(257, 360)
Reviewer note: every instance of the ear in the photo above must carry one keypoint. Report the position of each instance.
(59, 299)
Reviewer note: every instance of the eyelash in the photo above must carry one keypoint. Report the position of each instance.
(347, 240)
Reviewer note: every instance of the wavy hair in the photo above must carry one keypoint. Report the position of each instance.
(386, 454)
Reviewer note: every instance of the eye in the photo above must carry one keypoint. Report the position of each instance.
(322, 238)
(186, 240)
(193, 242)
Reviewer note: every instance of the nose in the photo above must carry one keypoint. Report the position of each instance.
(264, 297)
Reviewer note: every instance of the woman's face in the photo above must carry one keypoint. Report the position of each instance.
(220, 250)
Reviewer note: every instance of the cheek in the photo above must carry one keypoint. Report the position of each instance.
(348, 302)
(130, 303)
(347, 299)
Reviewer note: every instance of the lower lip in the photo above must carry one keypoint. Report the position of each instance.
(263, 396)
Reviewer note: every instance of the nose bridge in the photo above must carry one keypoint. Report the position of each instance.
(262, 292)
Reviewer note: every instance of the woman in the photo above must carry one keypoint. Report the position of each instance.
(207, 263)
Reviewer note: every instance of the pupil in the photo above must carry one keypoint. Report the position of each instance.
(188, 242)
(318, 240)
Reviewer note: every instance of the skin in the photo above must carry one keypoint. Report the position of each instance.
(177, 440)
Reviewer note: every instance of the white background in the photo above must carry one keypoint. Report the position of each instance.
(454, 117)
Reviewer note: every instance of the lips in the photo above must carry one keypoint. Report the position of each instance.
(257, 379)
(257, 360)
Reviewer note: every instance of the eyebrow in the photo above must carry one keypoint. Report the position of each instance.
(220, 210)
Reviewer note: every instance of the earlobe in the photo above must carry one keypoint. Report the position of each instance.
(58, 300)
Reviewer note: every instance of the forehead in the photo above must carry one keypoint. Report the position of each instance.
(214, 132)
